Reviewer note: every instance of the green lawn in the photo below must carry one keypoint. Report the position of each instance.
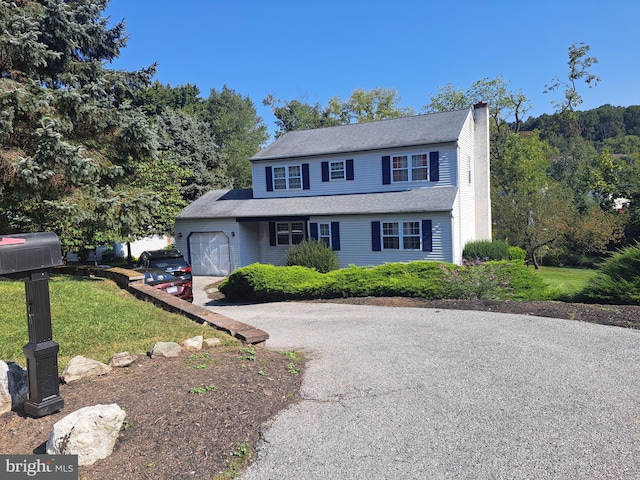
(93, 318)
(566, 282)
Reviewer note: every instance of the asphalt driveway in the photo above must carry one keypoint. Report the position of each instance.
(429, 394)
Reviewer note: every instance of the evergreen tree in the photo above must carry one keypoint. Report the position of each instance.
(72, 142)
(190, 143)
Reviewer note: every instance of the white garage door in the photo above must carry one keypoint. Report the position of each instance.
(209, 253)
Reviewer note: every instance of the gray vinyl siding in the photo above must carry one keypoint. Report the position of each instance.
(248, 233)
(367, 169)
(355, 239)
(276, 255)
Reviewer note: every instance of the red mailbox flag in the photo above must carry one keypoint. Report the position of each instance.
(11, 241)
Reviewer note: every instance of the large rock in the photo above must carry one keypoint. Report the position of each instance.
(89, 432)
(193, 344)
(14, 386)
(165, 349)
(80, 367)
(122, 359)
(212, 342)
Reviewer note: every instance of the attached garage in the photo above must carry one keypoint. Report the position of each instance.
(209, 253)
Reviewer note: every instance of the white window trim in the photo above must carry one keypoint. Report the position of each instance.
(409, 168)
(287, 177)
(327, 237)
(401, 235)
(289, 233)
(343, 170)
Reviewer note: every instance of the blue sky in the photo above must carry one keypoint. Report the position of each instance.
(315, 50)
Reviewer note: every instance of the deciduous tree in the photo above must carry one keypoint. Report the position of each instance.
(237, 130)
(368, 105)
(297, 115)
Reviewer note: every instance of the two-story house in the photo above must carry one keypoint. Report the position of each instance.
(395, 190)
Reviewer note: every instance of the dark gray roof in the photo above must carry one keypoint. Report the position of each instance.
(241, 204)
(442, 127)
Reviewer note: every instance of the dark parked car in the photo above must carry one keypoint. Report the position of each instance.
(167, 261)
(178, 287)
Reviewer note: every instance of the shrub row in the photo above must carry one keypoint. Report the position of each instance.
(492, 250)
(422, 279)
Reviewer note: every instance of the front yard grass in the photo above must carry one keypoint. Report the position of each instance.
(93, 318)
(566, 282)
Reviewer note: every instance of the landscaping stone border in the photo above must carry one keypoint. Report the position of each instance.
(133, 282)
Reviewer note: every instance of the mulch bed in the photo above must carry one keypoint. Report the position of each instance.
(627, 316)
(172, 431)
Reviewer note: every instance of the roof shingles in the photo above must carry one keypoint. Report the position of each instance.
(397, 132)
(241, 204)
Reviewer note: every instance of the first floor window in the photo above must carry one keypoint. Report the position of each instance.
(324, 233)
(411, 235)
(289, 233)
(401, 235)
(390, 235)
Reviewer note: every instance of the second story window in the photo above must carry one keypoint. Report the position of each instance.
(285, 178)
(417, 170)
(295, 177)
(337, 170)
(419, 164)
(279, 178)
(400, 168)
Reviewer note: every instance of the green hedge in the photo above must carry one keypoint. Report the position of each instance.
(422, 279)
(486, 250)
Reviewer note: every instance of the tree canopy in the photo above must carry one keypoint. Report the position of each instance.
(361, 106)
(72, 139)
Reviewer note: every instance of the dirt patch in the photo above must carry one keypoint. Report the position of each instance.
(186, 416)
(174, 432)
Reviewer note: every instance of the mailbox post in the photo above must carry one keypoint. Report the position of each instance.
(30, 257)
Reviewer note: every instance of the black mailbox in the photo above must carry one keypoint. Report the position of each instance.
(30, 256)
(29, 251)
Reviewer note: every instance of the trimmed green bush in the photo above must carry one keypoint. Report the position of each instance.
(313, 254)
(618, 280)
(517, 254)
(422, 279)
(486, 250)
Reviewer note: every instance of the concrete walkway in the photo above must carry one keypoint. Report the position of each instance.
(408, 393)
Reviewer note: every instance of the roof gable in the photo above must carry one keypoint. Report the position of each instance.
(434, 128)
